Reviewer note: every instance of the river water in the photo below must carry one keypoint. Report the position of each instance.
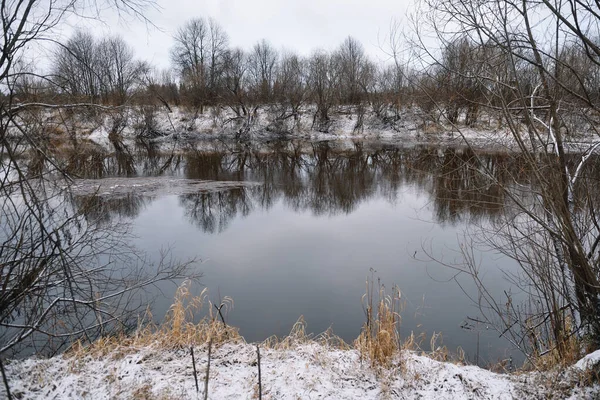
(290, 229)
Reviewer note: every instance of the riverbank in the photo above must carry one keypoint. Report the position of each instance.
(181, 359)
(104, 126)
(303, 370)
(410, 126)
(127, 368)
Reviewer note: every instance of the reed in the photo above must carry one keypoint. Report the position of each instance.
(379, 339)
(181, 328)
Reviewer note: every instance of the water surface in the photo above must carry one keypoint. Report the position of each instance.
(308, 223)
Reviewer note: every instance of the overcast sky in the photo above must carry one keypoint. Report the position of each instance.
(296, 25)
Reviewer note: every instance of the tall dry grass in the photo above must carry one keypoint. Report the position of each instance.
(179, 329)
(378, 342)
(379, 339)
(567, 352)
(298, 336)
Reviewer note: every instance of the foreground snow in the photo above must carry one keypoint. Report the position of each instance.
(308, 371)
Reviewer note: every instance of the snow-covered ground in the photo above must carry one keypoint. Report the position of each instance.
(165, 125)
(408, 126)
(304, 371)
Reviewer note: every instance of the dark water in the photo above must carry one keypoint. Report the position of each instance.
(322, 218)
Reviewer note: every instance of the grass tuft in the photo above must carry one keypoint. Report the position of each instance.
(378, 343)
(548, 354)
(179, 328)
(177, 331)
(298, 336)
(379, 339)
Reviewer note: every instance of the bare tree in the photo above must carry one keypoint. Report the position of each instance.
(262, 64)
(218, 47)
(458, 86)
(199, 57)
(97, 71)
(391, 88)
(190, 57)
(239, 96)
(351, 61)
(323, 79)
(58, 278)
(393, 78)
(162, 86)
(529, 74)
(290, 89)
(235, 78)
(76, 68)
(119, 72)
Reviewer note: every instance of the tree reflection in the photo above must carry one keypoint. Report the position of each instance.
(460, 186)
(102, 209)
(324, 178)
(212, 211)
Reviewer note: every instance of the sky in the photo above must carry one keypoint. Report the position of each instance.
(302, 26)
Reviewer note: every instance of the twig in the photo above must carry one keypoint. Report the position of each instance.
(8, 388)
(220, 313)
(259, 375)
(195, 372)
(207, 371)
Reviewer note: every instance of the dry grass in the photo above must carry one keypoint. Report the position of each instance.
(144, 392)
(177, 331)
(571, 353)
(379, 339)
(561, 382)
(179, 328)
(55, 130)
(431, 128)
(378, 343)
(298, 336)
(439, 352)
(562, 354)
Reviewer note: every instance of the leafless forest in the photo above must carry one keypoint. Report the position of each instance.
(530, 70)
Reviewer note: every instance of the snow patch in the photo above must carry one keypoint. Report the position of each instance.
(150, 186)
(305, 371)
(100, 137)
(589, 361)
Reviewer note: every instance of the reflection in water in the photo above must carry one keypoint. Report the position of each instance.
(88, 160)
(318, 177)
(313, 266)
(212, 211)
(329, 181)
(103, 210)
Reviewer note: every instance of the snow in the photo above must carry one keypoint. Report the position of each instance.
(221, 123)
(177, 124)
(121, 187)
(308, 370)
(100, 137)
(589, 361)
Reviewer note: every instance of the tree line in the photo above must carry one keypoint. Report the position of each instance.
(453, 84)
(206, 71)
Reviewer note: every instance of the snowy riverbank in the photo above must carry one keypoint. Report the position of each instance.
(266, 123)
(160, 124)
(304, 371)
(409, 126)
